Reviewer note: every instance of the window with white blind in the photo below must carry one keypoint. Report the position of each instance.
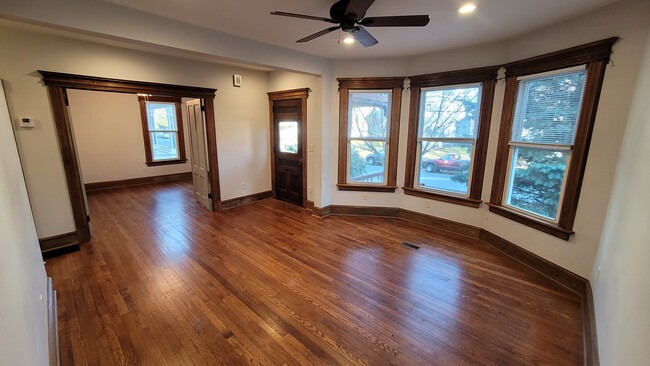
(546, 114)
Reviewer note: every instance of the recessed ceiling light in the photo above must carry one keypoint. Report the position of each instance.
(348, 40)
(467, 8)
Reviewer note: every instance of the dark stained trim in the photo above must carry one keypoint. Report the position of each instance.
(365, 187)
(245, 200)
(83, 82)
(549, 269)
(568, 57)
(442, 197)
(455, 77)
(371, 83)
(207, 105)
(97, 186)
(530, 221)
(59, 241)
(440, 224)
(59, 102)
(301, 94)
(363, 211)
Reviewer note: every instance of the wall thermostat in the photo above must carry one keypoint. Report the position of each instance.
(26, 123)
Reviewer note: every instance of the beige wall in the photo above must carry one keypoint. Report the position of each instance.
(241, 113)
(621, 271)
(23, 308)
(108, 135)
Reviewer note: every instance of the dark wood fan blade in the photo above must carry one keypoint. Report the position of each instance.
(396, 21)
(317, 34)
(301, 16)
(362, 36)
(358, 8)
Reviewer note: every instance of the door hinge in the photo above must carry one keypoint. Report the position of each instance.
(210, 195)
(202, 108)
(87, 218)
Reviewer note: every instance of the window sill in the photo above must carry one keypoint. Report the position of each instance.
(442, 197)
(540, 225)
(166, 162)
(367, 188)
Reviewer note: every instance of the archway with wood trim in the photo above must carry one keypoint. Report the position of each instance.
(58, 83)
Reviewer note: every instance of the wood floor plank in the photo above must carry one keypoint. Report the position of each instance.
(165, 282)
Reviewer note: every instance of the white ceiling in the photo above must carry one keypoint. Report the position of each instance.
(493, 20)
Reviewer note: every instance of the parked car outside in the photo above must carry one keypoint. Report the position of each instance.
(449, 162)
(376, 158)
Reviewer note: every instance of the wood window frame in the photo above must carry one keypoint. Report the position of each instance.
(57, 85)
(486, 76)
(142, 100)
(595, 57)
(395, 85)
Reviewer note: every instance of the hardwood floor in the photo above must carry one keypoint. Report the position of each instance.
(165, 282)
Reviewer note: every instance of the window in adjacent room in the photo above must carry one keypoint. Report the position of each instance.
(448, 132)
(547, 120)
(368, 133)
(162, 130)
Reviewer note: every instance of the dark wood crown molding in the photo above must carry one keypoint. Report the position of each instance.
(573, 56)
(83, 82)
(455, 77)
(289, 94)
(371, 83)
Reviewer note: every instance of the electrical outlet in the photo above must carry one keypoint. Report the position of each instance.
(311, 147)
(243, 186)
(365, 196)
(428, 203)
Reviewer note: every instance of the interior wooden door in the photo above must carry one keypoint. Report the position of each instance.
(200, 177)
(288, 150)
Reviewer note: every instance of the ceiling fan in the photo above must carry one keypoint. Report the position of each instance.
(350, 17)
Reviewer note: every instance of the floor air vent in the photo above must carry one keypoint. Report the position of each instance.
(409, 245)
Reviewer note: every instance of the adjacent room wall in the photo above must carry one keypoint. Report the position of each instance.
(23, 282)
(621, 271)
(108, 132)
(241, 113)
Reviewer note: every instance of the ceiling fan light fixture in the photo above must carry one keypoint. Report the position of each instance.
(348, 39)
(467, 8)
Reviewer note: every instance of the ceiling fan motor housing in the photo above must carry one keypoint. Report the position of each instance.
(337, 13)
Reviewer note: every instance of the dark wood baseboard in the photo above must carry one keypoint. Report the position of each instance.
(58, 242)
(549, 269)
(440, 223)
(589, 322)
(363, 210)
(52, 326)
(245, 200)
(91, 187)
(560, 275)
